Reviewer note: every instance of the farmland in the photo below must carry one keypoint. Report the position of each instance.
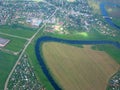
(17, 30)
(18, 38)
(6, 63)
(15, 43)
(73, 68)
(82, 70)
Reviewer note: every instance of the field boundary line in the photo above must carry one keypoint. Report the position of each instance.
(14, 36)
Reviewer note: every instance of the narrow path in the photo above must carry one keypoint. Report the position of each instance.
(9, 51)
(14, 36)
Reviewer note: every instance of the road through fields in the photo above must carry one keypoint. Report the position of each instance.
(25, 47)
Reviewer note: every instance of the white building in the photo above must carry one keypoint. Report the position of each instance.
(36, 22)
(3, 42)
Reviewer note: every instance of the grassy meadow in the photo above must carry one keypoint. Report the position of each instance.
(6, 63)
(17, 30)
(15, 44)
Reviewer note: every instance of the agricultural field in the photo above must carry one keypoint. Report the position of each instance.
(74, 67)
(18, 37)
(6, 63)
(17, 30)
(78, 68)
(15, 44)
(109, 49)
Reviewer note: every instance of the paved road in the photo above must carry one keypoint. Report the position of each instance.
(30, 40)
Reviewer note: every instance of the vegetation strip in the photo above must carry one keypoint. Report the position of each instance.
(47, 39)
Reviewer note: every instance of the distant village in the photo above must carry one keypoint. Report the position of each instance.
(57, 16)
(72, 15)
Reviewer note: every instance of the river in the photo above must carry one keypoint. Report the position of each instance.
(106, 15)
(49, 39)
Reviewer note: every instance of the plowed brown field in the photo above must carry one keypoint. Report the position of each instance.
(78, 68)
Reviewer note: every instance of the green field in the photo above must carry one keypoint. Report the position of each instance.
(15, 44)
(94, 34)
(7, 61)
(17, 30)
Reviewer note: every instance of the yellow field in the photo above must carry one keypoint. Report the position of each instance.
(78, 68)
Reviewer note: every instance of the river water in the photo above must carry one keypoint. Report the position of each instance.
(49, 39)
(106, 15)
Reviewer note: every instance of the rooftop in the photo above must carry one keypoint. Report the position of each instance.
(3, 42)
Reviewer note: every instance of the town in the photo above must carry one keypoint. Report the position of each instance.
(72, 16)
(23, 77)
(52, 17)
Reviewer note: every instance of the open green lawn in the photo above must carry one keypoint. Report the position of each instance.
(17, 30)
(92, 35)
(15, 44)
(7, 61)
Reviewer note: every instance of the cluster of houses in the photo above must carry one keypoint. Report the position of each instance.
(23, 77)
(25, 12)
(114, 82)
(34, 22)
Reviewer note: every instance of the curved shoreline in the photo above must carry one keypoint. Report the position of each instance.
(49, 39)
(105, 13)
